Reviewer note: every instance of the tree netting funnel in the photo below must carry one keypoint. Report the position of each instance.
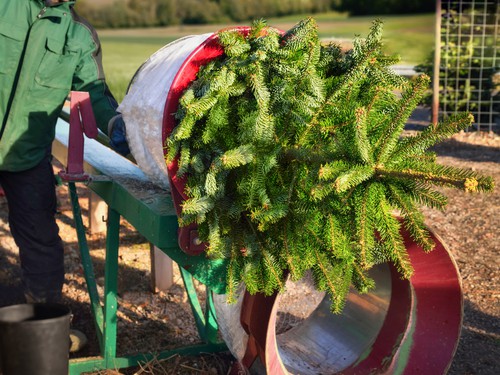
(406, 327)
(143, 106)
(401, 327)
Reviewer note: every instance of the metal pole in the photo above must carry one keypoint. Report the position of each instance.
(110, 289)
(437, 63)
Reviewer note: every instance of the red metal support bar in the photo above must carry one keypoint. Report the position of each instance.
(81, 121)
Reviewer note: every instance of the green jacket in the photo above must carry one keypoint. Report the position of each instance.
(44, 53)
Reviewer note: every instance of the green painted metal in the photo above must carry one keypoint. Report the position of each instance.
(198, 314)
(211, 326)
(150, 210)
(88, 268)
(152, 213)
(205, 320)
(106, 316)
(111, 286)
(77, 366)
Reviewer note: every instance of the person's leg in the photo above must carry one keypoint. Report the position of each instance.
(31, 200)
(32, 205)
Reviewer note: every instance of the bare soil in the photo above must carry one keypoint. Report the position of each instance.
(149, 322)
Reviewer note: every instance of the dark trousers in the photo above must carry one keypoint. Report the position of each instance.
(31, 200)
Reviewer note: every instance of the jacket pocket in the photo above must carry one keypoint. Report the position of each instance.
(58, 65)
(11, 46)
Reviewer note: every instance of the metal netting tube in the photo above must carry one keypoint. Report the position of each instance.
(143, 106)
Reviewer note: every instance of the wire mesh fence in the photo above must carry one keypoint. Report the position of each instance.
(469, 76)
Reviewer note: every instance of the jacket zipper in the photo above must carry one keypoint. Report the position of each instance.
(42, 12)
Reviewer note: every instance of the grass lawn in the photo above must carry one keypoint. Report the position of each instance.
(410, 36)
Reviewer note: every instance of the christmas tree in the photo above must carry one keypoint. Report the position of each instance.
(295, 160)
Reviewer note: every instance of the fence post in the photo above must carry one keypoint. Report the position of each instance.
(437, 63)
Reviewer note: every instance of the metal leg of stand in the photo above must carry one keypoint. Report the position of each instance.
(110, 287)
(105, 315)
(88, 268)
(205, 321)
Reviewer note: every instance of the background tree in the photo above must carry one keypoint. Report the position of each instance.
(167, 12)
(127, 13)
(367, 7)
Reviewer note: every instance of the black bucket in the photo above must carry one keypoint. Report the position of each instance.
(34, 339)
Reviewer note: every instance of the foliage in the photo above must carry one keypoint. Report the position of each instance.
(364, 7)
(132, 13)
(294, 160)
(244, 10)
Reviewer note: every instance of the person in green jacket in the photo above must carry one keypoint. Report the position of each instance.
(46, 50)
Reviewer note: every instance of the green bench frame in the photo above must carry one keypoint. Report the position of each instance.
(151, 212)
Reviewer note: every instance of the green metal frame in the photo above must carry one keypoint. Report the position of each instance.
(119, 202)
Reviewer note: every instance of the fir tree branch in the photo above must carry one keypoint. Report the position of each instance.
(307, 155)
(332, 233)
(215, 243)
(268, 263)
(322, 190)
(234, 43)
(364, 215)
(217, 118)
(346, 85)
(233, 277)
(237, 157)
(184, 159)
(294, 161)
(300, 35)
(392, 241)
(431, 135)
(331, 171)
(397, 120)
(288, 254)
(355, 176)
(196, 206)
(350, 78)
(322, 266)
(334, 278)
(423, 194)
(211, 187)
(361, 137)
(361, 281)
(185, 128)
(252, 276)
(414, 220)
(468, 181)
(274, 277)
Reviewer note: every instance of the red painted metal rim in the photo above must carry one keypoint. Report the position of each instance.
(421, 330)
(207, 51)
